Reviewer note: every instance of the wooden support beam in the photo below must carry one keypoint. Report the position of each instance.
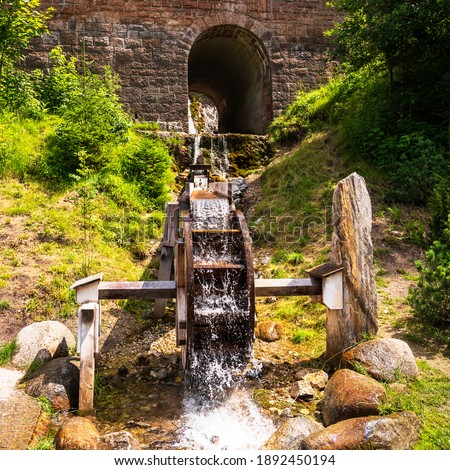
(287, 287)
(88, 320)
(166, 262)
(145, 290)
(139, 290)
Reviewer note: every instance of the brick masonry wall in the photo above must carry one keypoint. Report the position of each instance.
(147, 42)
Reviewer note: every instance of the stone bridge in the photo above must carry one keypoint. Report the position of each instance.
(249, 56)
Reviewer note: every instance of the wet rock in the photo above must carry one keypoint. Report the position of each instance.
(57, 380)
(302, 390)
(42, 341)
(269, 331)
(121, 440)
(77, 434)
(317, 378)
(291, 434)
(397, 431)
(350, 395)
(384, 358)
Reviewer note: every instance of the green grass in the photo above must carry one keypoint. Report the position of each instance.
(7, 351)
(428, 397)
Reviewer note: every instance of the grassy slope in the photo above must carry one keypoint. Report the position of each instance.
(297, 187)
(43, 250)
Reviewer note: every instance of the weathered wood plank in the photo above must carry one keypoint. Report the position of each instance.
(87, 333)
(139, 290)
(142, 290)
(287, 287)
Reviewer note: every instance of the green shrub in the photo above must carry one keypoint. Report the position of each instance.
(431, 299)
(412, 161)
(18, 93)
(146, 162)
(440, 206)
(91, 118)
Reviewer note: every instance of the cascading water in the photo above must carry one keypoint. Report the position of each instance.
(218, 411)
(219, 155)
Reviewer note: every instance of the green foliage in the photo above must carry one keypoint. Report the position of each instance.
(146, 163)
(7, 352)
(20, 21)
(413, 160)
(431, 299)
(440, 205)
(21, 142)
(92, 117)
(412, 40)
(305, 114)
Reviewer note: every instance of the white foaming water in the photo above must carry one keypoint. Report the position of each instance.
(218, 415)
(235, 424)
(210, 214)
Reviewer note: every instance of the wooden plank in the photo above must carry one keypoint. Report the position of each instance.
(139, 290)
(166, 261)
(87, 358)
(181, 326)
(287, 287)
(164, 274)
(170, 225)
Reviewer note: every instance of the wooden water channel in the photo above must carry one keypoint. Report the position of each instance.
(336, 284)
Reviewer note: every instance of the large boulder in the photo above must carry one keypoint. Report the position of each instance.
(384, 358)
(349, 395)
(291, 434)
(77, 434)
(57, 380)
(42, 341)
(397, 431)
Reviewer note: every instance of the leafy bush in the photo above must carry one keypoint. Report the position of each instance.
(440, 206)
(431, 299)
(92, 117)
(146, 162)
(412, 161)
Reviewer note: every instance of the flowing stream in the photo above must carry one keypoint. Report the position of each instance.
(218, 412)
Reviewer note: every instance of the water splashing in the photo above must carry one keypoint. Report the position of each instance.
(235, 424)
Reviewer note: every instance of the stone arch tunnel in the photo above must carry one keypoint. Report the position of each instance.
(231, 66)
(248, 56)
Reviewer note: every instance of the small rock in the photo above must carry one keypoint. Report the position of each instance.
(287, 413)
(398, 388)
(121, 440)
(77, 434)
(317, 378)
(57, 380)
(305, 411)
(290, 435)
(301, 390)
(269, 331)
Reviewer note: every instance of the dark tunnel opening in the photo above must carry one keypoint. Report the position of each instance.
(231, 65)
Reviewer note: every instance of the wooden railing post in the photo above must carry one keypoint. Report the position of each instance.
(88, 329)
